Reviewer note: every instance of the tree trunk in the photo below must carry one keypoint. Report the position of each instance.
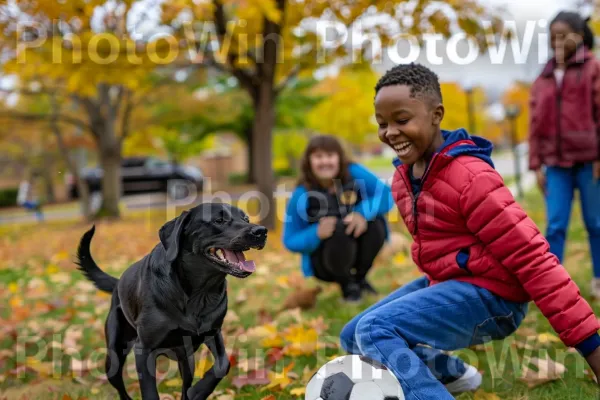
(110, 161)
(251, 175)
(82, 187)
(262, 149)
(47, 177)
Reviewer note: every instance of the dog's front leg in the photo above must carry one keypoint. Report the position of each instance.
(145, 363)
(205, 386)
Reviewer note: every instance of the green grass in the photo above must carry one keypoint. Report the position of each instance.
(377, 163)
(267, 295)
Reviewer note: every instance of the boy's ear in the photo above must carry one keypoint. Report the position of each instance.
(438, 114)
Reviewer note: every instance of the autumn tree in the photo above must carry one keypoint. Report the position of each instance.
(265, 44)
(457, 110)
(347, 108)
(91, 67)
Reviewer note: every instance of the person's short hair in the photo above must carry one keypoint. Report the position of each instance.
(423, 82)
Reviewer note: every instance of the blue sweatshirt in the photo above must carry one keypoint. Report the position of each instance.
(300, 236)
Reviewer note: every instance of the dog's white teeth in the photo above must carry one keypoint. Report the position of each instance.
(221, 254)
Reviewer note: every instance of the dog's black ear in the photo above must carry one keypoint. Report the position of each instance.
(170, 233)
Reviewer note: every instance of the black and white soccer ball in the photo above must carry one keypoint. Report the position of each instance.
(353, 377)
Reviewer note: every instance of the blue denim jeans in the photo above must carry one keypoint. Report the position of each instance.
(34, 206)
(447, 316)
(560, 188)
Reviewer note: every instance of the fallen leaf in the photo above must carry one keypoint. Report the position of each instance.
(304, 299)
(274, 354)
(249, 364)
(547, 370)
(299, 391)
(175, 382)
(241, 297)
(279, 380)
(202, 366)
(269, 397)
(547, 338)
(301, 341)
(481, 395)
(254, 378)
(13, 287)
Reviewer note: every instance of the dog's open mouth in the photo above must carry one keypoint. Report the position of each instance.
(234, 261)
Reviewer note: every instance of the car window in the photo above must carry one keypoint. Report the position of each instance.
(156, 163)
(132, 162)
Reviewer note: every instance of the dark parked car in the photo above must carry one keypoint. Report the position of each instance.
(143, 175)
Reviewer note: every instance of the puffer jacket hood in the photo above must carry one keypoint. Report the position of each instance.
(459, 142)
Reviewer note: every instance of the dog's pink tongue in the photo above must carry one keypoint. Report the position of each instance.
(248, 266)
(237, 257)
(231, 256)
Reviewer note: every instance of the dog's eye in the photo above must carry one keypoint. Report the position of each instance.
(219, 220)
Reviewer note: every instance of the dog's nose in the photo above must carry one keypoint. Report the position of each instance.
(259, 231)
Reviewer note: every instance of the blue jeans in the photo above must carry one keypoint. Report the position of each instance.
(34, 206)
(447, 316)
(561, 184)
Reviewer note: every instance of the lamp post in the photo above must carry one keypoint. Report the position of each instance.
(470, 109)
(512, 113)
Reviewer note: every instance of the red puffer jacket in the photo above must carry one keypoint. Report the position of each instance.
(564, 122)
(467, 226)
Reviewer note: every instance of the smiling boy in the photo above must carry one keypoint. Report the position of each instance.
(482, 257)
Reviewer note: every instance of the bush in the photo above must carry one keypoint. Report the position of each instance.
(237, 178)
(8, 197)
(286, 172)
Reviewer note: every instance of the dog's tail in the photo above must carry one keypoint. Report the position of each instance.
(88, 266)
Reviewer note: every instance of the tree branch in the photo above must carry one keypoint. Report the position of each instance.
(27, 92)
(247, 80)
(126, 116)
(93, 114)
(32, 117)
(293, 74)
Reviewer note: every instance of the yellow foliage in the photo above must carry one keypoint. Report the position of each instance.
(456, 106)
(518, 94)
(347, 111)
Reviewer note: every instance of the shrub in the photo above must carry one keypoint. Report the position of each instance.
(8, 197)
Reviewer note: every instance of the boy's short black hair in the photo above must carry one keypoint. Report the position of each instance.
(422, 81)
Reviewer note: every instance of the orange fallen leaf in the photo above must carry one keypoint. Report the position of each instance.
(279, 380)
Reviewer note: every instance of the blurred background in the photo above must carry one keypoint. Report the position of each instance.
(106, 104)
(101, 101)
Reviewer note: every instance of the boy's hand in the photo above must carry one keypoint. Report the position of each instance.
(326, 227)
(356, 224)
(594, 362)
(541, 180)
(596, 167)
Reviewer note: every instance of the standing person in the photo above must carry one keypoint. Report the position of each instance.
(27, 199)
(483, 259)
(335, 217)
(565, 134)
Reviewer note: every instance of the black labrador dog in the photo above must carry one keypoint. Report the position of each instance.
(175, 298)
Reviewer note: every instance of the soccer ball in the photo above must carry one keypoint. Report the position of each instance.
(353, 378)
